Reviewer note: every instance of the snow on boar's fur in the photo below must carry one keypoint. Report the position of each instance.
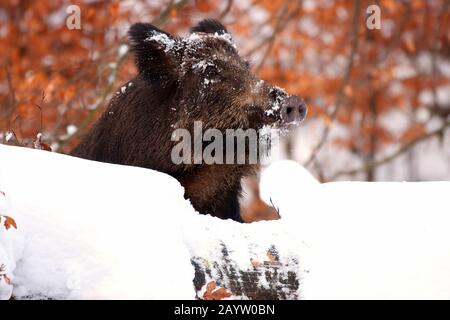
(182, 80)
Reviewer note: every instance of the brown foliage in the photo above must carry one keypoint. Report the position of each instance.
(9, 222)
(53, 79)
(214, 293)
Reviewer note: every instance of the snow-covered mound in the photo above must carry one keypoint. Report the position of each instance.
(91, 230)
(72, 228)
(386, 240)
(94, 230)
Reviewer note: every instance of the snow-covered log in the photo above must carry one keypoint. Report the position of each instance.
(72, 228)
(251, 261)
(94, 230)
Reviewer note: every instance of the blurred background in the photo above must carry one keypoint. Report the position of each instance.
(379, 99)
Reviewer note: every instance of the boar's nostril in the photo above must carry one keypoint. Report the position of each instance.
(288, 110)
(293, 110)
(302, 110)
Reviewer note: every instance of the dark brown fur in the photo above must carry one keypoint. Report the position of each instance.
(171, 92)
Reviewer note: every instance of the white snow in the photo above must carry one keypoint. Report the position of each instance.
(226, 37)
(92, 230)
(162, 39)
(10, 244)
(276, 174)
(123, 89)
(96, 230)
(71, 129)
(197, 39)
(123, 49)
(9, 135)
(278, 101)
(384, 240)
(202, 65)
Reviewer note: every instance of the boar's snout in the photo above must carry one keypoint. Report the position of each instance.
(293, 110)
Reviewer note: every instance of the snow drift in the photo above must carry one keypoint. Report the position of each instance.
(92, 230)
(379, 240)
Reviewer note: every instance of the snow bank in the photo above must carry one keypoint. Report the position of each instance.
(91, 230)
(95, 230)
(366, 240)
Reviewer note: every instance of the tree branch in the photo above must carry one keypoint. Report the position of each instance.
(342, 85)
(226, 10)
(375, 163)
(281, 23)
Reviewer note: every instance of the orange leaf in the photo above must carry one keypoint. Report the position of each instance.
(220, 294)
(46, 147)
(410, 45)
(9, 222)
(203, 5)
(214, 293)
(348, 90)
(38, 144)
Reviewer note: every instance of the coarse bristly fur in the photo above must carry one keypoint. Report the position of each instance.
(181, 80)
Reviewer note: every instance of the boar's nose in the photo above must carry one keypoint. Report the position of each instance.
(293, 110)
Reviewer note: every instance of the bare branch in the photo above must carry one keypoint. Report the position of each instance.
(281, 23)
(173, 5)
(342, 85)
(434, 53)
(398, 33)
(226, 10)
(282, 19)
(375, 163)
(10, 87)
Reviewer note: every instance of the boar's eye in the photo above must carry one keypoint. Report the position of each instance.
(211, 71)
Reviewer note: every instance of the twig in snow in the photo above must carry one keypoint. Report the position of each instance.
(276, 208)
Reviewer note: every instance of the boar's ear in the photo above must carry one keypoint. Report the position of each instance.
(210, 26)
(155, 51)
